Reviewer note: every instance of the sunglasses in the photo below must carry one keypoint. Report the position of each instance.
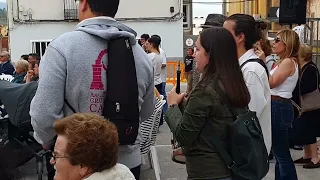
(276, 40)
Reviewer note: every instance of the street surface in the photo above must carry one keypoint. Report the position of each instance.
(174, 171)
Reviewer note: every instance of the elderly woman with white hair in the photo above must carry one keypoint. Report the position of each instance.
(21, 71)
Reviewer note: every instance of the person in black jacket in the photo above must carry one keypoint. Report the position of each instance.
(5, 65)
(306, 126)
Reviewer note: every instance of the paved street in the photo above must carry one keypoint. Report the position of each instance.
(174, 171)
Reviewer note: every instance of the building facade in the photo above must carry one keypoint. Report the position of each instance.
(34, 23)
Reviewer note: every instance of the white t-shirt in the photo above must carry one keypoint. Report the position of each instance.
(164, 62)
(156, 61)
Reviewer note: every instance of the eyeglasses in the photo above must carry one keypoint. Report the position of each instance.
(276, 40)
(55, 157)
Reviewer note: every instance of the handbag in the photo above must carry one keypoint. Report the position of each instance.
(310, 101)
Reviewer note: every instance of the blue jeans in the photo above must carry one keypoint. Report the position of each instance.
(282, 116)
(165, 106)
(164, 93)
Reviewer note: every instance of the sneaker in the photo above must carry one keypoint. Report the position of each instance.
(302, 161)
(311, 165)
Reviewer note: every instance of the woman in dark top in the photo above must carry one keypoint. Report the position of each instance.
(206, 113)
(306, 127)
(21, 71)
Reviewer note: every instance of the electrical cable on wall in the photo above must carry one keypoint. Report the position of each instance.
(205, 2)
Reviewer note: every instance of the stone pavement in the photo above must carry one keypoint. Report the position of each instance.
(174, 171)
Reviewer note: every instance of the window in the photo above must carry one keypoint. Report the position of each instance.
(70, 10)
(39, 47)
(186, 16)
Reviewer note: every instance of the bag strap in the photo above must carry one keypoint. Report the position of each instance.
(299, 82)
(216, 142)
(214, 137)
(69, 105)
(257, 60)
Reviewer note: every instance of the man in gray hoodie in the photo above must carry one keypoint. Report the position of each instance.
(72, 66)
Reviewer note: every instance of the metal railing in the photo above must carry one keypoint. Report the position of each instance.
(312, 37)
(70, 10)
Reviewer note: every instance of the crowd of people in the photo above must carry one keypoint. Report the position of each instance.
(275, 86)
(85, 144)
(24, 70)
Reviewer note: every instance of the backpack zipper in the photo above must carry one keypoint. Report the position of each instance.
(117, 107)
(127, 44)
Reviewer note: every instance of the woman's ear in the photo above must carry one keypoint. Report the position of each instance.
(84, 170)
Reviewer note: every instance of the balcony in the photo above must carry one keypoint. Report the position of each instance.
(70, 10)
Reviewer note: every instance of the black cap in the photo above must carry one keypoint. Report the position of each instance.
(214, 20)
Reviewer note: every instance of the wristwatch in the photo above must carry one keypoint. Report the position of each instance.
(173, 105)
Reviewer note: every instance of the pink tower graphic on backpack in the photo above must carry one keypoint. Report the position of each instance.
(96, 83)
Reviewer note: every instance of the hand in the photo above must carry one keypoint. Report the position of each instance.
(174, 98)
(46, 147)
(259, 52)
(30, 73)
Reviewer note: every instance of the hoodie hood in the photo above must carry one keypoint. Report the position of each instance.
(106, 28)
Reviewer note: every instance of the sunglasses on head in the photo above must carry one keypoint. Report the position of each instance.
(277, 39)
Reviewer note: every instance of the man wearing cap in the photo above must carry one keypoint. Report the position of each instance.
(5, 66)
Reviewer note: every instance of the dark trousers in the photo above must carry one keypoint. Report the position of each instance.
(50, 169)
(165, 106)
(136, 172)
(282, 118)
(159, 88)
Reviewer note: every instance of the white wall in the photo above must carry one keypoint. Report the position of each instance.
(22, 34)
(54, 9)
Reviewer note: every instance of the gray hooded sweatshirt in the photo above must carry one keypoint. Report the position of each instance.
(73, 68)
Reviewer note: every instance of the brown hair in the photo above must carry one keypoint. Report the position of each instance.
(223, 59)
(92, 140)
(305, 53)
(266, 46)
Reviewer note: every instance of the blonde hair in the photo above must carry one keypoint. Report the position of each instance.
(292, 42)
(23, 64)
(305, 53)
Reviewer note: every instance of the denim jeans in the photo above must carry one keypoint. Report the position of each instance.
(165, 106)
(282, 116)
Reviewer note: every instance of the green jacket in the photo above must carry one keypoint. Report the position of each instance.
(204, 113)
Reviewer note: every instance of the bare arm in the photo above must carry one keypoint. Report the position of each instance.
(284, 70)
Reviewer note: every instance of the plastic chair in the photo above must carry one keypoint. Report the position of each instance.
(6, 77)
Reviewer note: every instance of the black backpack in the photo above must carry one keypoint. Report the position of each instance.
(246, 155)
(257, 61)
(121, 102)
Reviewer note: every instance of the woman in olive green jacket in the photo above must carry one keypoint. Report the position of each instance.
(206, 111)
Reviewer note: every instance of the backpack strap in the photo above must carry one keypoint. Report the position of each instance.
(69, 106)
(216, 142)
(215, 138)
(257, 60)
